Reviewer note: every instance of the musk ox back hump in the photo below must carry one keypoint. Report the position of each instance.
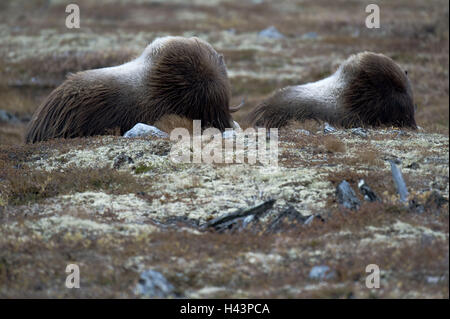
(190, 79)
(378, 93)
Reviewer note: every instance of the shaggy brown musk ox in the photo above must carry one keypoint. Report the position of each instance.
(368, 89)
(174, 75)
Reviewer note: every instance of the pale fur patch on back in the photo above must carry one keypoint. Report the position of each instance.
(326, 90)
(133, 72)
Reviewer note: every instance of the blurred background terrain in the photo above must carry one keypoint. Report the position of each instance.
(308, 41)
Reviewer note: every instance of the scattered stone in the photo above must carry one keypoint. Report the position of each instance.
(368, 193)
(231, 31)
(427, 240)
(328, 128)
(399, 182)
(346, 196)
(359, 131)
(310, 36)
(122, 159)
(141, 129)
(436, 160)
(272, 33)
(6, 117)
(413, 166)
(153, 284)
(237, 220)
(433, 279)
(303, 132)
(321, 273)
(229, 134)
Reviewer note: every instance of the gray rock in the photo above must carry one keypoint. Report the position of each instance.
(303, 132)
(271, 32)
(433, 279)
(228, 134)
(6, 117)
(154, 285)
(310, 36)
(368, 193)
(359, 131)
(322, 273)
(328, 128)
(346, 196)
(141, 129)
(413, 165)
(232, 133)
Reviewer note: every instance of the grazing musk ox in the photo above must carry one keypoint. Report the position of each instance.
(368, 89)
(174, 75)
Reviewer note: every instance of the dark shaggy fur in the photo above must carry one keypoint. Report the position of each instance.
(368, 89)
(184, 76)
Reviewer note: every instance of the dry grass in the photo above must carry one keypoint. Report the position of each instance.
(333, 145)
(25, 185)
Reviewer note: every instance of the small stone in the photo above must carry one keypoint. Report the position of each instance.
(346, 196)
(359, 131)
(413, 166)
(321, 273)
(271, 32)
(310, 36)
(141, 129)
(6, 117)
(228, 134)
(427, 240)
(328, 128)
(303, 132)
(433, 280)
(368, 193)
(154, 285)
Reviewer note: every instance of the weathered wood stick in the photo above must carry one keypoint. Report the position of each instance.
(399, 182)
